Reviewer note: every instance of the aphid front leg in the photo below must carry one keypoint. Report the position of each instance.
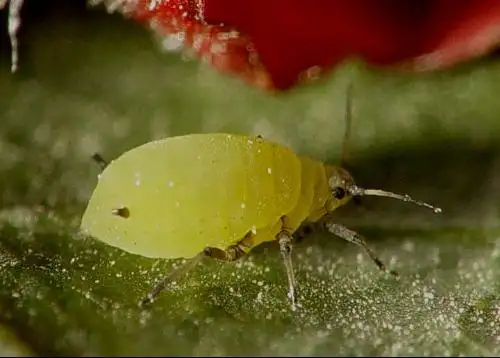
(285, 238)
(355, 238)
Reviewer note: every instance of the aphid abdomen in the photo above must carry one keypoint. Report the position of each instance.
(322, 194)
(309, 174)
(186, 193)
(265, 234)
(273, 187)
(310, 202)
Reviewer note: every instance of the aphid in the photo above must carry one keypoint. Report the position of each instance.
(218, 195)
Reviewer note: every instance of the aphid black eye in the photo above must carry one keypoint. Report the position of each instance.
(339, 193)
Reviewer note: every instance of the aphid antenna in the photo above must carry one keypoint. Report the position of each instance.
(347, 133)
(348, 124)
(357, 191)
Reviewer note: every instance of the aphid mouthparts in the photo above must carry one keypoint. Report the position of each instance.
(357, 191)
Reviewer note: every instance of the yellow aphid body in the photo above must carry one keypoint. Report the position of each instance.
(205, 190)
(218, 195)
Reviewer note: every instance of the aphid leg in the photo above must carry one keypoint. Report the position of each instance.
(100, 161)
(171, 277)
(232, 253)
(285, 241)
(355, 238)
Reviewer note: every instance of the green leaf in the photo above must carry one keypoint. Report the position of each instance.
(433, 137)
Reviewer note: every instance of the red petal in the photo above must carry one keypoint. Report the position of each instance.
(270, 43)
(457, 30)
(294, 35)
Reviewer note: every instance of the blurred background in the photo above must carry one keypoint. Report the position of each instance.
(91, 81)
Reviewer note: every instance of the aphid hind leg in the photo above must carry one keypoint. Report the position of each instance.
(232, 253)
(285, 238)
(352, 236)
(171, 277)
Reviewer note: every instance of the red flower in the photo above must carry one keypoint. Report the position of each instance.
(275, 43)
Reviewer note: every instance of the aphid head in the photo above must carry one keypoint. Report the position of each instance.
(339, 182)
(343, 189)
